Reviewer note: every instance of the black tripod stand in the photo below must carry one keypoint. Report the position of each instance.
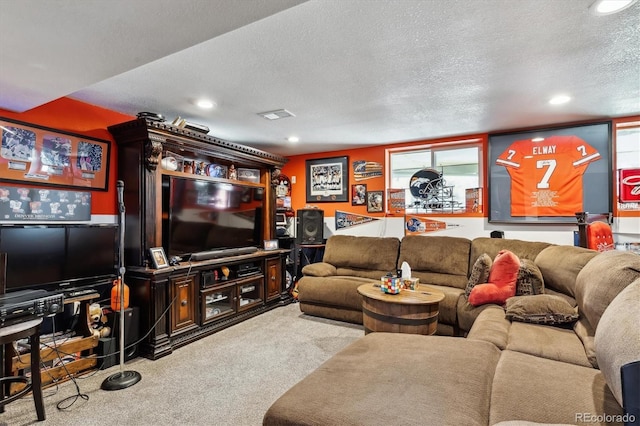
(122, 379)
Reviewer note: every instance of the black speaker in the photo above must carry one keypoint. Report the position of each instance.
(131, 331)
(107, 349)
(497, 234)
(310, 226)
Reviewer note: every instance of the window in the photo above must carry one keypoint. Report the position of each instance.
(447, 171)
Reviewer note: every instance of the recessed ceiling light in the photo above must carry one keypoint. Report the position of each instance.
(538, 139)
(607, 7)
(560, 99)
(205, 103)
(293, 139)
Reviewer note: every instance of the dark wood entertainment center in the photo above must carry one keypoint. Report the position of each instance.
(191, 299)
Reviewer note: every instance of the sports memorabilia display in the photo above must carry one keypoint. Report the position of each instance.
(546, 176)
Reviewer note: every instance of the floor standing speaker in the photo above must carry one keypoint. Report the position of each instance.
(310, 226)
(131, 331)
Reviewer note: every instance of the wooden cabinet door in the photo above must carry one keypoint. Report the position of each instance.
(273, 277)
(183, 311)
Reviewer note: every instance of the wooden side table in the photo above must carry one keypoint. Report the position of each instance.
(9, 334)
(410, 311)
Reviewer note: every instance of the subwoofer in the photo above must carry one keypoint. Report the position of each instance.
(131, 331)
(310, 226)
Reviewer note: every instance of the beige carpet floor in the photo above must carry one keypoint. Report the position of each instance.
(228, 378)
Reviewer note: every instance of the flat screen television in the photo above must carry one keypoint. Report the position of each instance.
(58, 257)
(202, 215)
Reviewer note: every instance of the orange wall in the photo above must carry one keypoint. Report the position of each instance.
(68, 115)
(296, 166)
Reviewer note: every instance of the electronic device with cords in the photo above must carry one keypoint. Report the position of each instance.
(25, 305)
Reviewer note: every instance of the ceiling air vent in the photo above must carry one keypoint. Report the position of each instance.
(276, 115)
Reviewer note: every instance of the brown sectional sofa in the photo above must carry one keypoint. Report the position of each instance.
(503, 372)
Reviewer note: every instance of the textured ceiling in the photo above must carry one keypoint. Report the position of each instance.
(355, 73)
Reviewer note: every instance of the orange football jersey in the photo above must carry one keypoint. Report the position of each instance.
(546, 176)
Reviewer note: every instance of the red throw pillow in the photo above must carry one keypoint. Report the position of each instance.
(502, 281)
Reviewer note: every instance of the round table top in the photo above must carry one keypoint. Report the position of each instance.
(423, 295)
(19, 327)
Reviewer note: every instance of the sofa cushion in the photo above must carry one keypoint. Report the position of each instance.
(617, 339)
(447, 308)
(602, 279)
(540, 309)
(556, 343)
(547, 391)
(467, 313)
(442, 257)
(479, 272)
(367, 384)
(368, 253)
(530, 280)
(502, 281)
(560, 266)
(337, 291)
(491, 246)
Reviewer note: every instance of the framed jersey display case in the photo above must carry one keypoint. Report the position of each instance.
(547, 175)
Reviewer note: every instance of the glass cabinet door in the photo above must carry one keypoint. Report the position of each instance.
(218, 302)
(250, 292)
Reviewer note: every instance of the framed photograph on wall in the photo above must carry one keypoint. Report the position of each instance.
(375, 201)
(327, 180)
(44, 156)
(359, 194)
(548, 175)
(158, 258)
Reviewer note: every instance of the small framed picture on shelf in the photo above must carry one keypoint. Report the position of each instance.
(217, 170)
(271, 244)
(249, 175)
(158, 258)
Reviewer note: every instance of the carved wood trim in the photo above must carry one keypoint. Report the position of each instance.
(152, 151)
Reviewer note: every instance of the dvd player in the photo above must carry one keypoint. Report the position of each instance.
(213, 254)
(23, 305)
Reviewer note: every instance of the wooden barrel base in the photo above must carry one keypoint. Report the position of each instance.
(383, 316)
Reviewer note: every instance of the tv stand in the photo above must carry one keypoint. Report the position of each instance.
(173, 303)
(214, 254)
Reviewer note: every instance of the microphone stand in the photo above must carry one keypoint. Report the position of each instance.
(122, 379)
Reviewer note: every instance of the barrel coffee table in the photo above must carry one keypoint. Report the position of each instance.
(410, 311)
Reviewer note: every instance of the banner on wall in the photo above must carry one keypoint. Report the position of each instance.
(366, 170)
(347, 220)
(416, 225)
(396, 200)
(33, 204)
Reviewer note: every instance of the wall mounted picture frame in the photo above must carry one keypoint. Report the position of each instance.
(358, 194)
(45, 156)
(547, 175)
(327, 180)
(158, 258)
(375, 201)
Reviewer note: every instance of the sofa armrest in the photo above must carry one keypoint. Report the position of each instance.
(491, 326)
(320, 269)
